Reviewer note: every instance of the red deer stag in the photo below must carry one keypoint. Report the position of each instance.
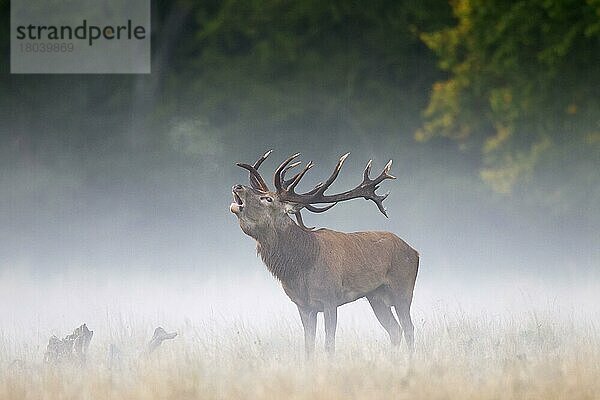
(322, 269)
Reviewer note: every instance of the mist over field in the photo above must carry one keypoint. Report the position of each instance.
(128, 231)
(115, 194)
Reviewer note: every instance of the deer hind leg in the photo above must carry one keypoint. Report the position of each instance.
(403, 312)
(386, 318)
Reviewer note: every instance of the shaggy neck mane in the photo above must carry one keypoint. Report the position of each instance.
(287, 252)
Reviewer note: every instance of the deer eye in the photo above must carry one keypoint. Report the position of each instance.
(267, 199)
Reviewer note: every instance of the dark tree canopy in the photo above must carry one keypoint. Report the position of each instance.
(523, 88)
(514, 83)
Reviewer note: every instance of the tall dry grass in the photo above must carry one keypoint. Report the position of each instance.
(527, 356)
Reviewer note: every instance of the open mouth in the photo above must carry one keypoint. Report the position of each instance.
(238, 204)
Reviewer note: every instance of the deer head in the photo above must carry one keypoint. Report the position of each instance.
(258, 208)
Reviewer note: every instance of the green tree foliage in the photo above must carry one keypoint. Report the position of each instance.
(315, 66)
(517, 84)
(524, 89)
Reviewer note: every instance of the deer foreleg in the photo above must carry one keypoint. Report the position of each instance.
(330, 317)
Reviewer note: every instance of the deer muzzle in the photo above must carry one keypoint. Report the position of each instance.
(238, 204)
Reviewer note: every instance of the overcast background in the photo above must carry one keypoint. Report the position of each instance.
(121, 183)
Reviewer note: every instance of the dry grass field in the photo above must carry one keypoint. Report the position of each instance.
(529, 356)
(504, 342)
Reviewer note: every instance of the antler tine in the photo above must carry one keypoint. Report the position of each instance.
(385, 174)
(367, 181)
(277, 177)
(336, 171)
(320, 187)
(314, 190)
(286, 182)
(367, 171)
(256, 181)
(318, 209)
(263, 158)
(301, 222)
(378, 200)
(292, 165)
(299, 176)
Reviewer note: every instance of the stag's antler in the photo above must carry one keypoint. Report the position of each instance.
(286, 187)
(366, 189)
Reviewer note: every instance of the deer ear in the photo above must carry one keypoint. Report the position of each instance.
(293, 208)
